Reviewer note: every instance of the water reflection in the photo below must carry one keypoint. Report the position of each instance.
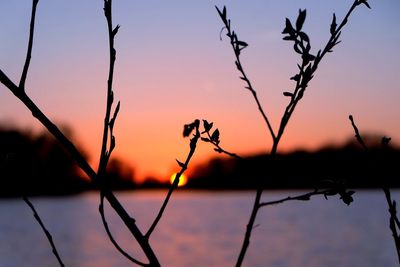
(203, 229)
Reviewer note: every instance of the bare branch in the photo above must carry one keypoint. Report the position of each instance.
(174, 185)
(105, 154)
(302, 197)
(111, 237)
(307, 69)
(237, 47)
(83, 164)
(30, 44)
(357, 134)
(47, 233)
(394, 222)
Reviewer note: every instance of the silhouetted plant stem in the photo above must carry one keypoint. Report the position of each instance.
(22, 88)
(174, 185)
(105, 153)
(249, 227)
(219, 149)
(47, 233)
(394, 223)
(82, 163)
(302, 197)
(306, 72)
(30, 44)
(237, 47)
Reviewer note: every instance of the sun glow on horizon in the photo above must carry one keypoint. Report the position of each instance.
(182, 179)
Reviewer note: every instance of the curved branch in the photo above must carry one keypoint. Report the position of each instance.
(111, 237)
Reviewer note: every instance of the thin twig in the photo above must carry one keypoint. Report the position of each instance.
(307, 69)
(302, 197)
(83, 164)
(22, 88)
(394, 223)
(237, 46)
(111, 237)
(30, 44)
(219, 149)
(174, 185)
(47, 233)
(108, 128)
(357, 134)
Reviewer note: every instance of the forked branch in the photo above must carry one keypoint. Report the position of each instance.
(188, 129)
(307, 68)
(20, 93)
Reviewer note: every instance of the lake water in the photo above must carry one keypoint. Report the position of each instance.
(203, 229)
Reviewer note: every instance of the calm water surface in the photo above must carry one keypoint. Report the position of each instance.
(203, 229)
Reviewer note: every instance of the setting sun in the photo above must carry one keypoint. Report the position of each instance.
(182, 179)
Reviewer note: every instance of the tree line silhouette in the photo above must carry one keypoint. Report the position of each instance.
(40, 165)
(347, 164)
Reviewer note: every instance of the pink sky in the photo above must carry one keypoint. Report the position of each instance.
(172, 68)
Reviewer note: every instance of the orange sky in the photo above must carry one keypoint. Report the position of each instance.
(172, 68)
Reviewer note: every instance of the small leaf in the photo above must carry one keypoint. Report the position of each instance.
(346, 197)
(182, 165)
(205, 139)
(215, 136)
(207, 126)
(187, 129)
(112, 121)
(238, 66)
(296, 78)
(300, 19)
(114, 32)
(241, 43)
(224, 12)
(221, 14)
(288, 94)
(365, 3)
(333, 25)
(289, 38)
(196, 123)
(288, 28)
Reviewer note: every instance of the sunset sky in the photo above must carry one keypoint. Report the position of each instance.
(172, 68)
